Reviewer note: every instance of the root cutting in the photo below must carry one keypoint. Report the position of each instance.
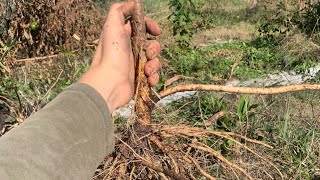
(240, 90)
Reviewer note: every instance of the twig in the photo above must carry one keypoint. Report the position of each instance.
(243, 137)
(241, 90)
(52, 86)
(174, 164)
(37, 58)
(132, 172)
(111, 169)
(214, 118)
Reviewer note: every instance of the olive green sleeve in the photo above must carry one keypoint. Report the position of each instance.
(67, 139)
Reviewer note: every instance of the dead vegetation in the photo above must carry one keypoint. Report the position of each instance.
(40, 28)
(39, 41)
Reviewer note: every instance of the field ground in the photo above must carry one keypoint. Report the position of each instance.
(228, 47)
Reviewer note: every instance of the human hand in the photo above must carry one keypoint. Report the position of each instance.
(112, 70)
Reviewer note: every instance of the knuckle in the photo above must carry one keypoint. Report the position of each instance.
(115, 7)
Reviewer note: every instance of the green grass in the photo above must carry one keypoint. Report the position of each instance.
(242, 60)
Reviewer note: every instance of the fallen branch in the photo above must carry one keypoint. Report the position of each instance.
(240, 90)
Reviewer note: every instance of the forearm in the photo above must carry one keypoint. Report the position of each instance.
(67, 139)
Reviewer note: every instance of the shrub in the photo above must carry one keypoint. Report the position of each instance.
(184, 16)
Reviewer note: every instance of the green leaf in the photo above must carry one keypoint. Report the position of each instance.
(241, 105)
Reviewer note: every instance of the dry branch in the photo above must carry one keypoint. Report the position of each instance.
(241, 90)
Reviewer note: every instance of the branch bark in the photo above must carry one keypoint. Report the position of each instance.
(143, 90)
(242, 90)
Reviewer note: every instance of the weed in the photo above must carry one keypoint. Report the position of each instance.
(245, 108)
(286, 118)
(184, 16)
(240, 60)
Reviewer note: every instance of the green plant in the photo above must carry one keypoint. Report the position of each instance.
(245, 108)
(5, 49)
(284, 129)
(241, 60)
(33, 26)
(302, 153)
(279, 25)
(310, 22)
(184, 15)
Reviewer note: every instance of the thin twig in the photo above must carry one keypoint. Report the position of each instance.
(37, 58)
(54, 84)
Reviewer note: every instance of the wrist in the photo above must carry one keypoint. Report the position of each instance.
(101, 81)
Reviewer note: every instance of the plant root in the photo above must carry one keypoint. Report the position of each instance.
(172, 153)
(214, 118)
(240, 90)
